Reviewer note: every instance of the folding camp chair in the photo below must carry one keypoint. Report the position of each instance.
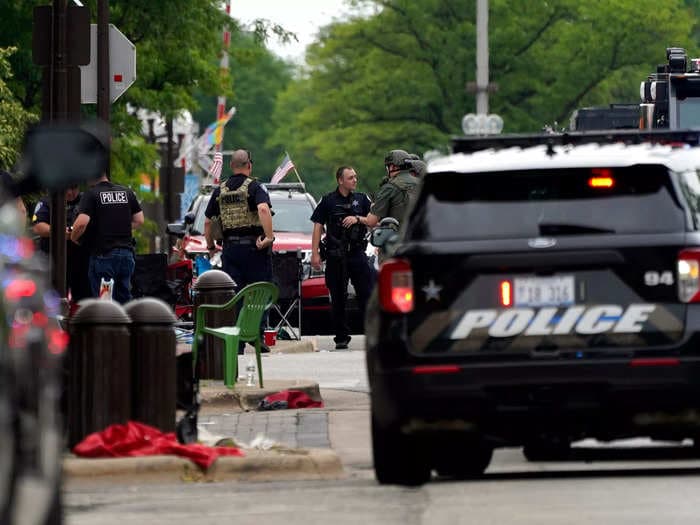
(287, 272)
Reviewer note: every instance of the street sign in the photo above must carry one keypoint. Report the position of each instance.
(122, 66)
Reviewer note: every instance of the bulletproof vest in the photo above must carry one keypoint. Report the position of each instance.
(349, 238)
(234, 207)
(407, 185)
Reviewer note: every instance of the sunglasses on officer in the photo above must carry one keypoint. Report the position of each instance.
(250, 155)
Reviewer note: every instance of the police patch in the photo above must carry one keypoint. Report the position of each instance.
(113, 197)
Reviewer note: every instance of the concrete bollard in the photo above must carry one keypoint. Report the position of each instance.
(153, 377)
(213, 287)
(99, 369)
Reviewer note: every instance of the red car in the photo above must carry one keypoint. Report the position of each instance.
(292, 207)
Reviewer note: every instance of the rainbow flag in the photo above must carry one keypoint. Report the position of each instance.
(214, 133)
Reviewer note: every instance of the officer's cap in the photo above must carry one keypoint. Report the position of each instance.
(418, 166)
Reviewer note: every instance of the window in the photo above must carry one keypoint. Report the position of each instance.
(532, 203)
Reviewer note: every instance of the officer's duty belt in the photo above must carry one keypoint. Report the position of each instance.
(237, 239)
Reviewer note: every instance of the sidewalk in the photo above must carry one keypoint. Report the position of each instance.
(311, 443)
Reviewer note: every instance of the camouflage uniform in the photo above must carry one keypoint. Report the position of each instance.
(394, 197)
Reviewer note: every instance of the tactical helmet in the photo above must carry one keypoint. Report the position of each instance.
(397, 157)
(418, 166)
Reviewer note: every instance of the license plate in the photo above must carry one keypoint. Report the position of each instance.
(544, 291)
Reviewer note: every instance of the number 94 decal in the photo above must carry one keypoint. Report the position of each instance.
(657, 278)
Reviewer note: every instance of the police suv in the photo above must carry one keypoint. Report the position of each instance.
(542, 290)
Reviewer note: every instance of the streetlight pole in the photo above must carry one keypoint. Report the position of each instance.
(482, 57)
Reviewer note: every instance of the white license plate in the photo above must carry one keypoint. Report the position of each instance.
(544, 291)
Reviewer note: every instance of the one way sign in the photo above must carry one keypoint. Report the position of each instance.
(122, 66)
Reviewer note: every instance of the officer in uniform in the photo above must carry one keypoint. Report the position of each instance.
(417, 167)
(246, 218)
(77, 257)
(394, 197)
(244, 207)
(111, 211)
(343, 214)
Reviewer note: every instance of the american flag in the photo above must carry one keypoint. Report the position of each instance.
(282, 169)
(215, 168)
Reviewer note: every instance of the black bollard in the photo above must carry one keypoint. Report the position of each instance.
(213, 287)
(99, 369)
(152, 363)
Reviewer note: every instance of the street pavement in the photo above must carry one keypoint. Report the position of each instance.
(630, 483)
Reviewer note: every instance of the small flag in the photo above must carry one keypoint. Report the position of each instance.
(216, 165)
(282, 169)
(215, 131)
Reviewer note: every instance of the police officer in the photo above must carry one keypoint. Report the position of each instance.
(343, 213)
(417, 167)
(111, 211)
(394, 197)
(244, 207)
(77, 257)
(246, 218)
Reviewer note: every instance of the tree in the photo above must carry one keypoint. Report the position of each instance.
(257, 78)
(13, 118)
(397, 78)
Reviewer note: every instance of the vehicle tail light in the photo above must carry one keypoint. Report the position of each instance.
(506, 293)
(689, 276)
(396, 286)
(435, 369)
(654, 361)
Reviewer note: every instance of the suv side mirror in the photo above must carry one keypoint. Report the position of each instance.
(176, 228)
(385, 232)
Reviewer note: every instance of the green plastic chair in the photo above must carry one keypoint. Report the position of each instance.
(256, 298)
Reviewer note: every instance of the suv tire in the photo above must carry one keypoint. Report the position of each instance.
(462, 458)
(398, 458)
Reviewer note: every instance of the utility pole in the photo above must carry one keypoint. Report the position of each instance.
(60, 43)
(482, 57)
(104, 103)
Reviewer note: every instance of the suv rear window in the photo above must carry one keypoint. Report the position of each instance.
(514, 204)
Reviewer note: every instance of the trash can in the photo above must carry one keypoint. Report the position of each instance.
(99, 369)
(153, 377)
(213, 287)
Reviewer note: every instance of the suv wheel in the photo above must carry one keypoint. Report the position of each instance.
(463, 458)
(398, 458)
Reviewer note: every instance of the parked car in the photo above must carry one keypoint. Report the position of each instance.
(292, 207)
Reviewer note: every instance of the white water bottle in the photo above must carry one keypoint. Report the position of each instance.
(250, 373)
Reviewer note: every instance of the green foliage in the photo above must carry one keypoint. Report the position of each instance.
(13, 118)
(258, 77)
(397, 79)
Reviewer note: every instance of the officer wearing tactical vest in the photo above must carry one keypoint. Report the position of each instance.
(394, 197)
(244, 207)
(343, 213)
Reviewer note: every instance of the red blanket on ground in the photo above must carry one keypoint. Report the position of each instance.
(137, 439)
(288, 399)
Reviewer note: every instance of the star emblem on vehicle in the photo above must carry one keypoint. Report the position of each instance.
(432, 291)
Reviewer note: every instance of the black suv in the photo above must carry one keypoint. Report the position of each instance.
(544, 289)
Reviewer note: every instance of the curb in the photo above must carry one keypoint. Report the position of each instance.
(294, 347)
(256, 465)
(249, 397)
(281, 347)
